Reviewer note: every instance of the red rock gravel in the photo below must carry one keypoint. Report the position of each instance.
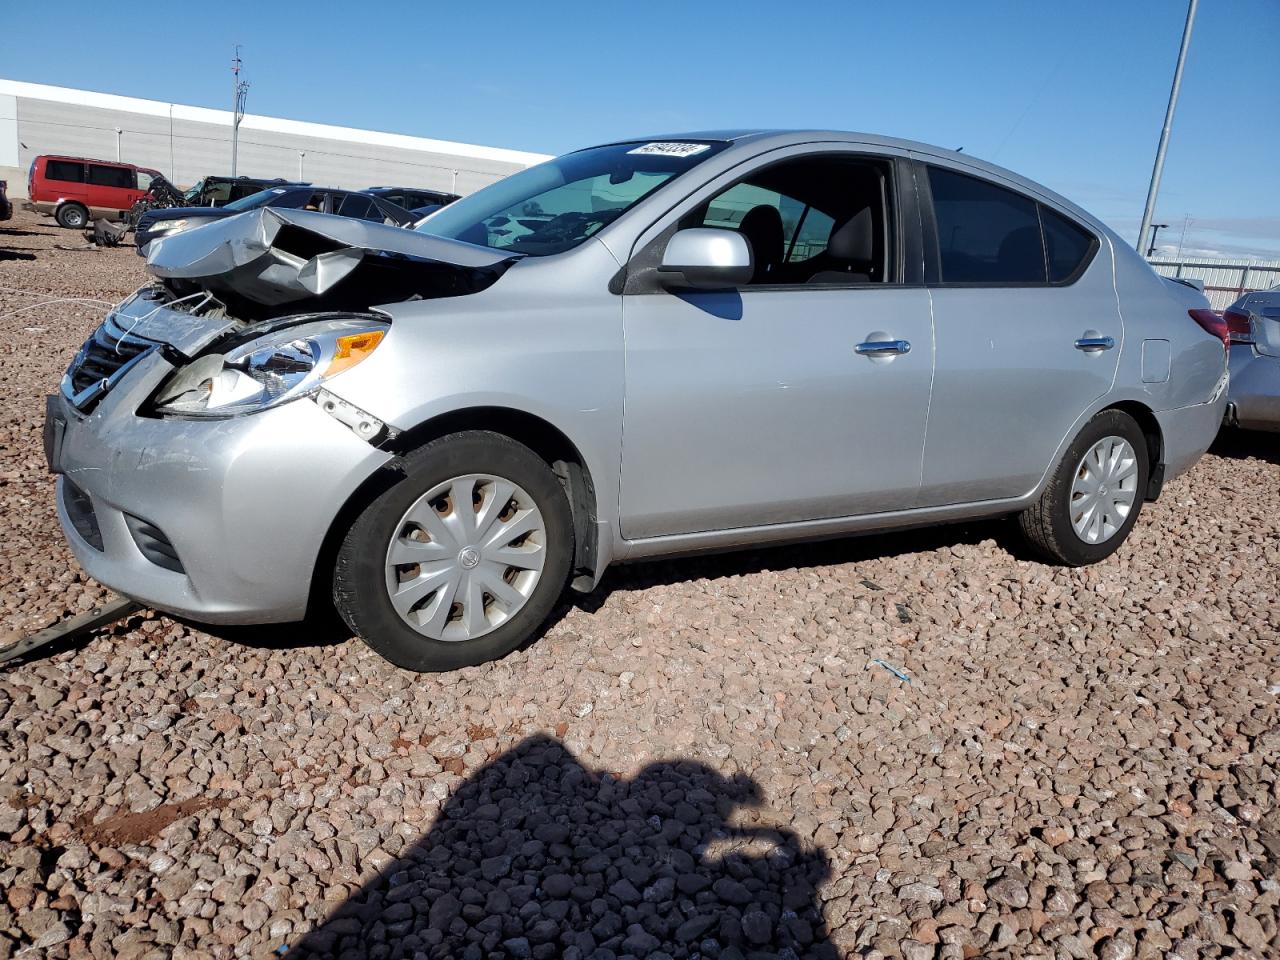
(706, 758)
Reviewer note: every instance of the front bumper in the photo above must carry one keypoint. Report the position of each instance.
(1255, 388)
(241, 505)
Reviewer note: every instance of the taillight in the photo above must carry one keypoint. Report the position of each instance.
(1238, 326)
(1213, 324)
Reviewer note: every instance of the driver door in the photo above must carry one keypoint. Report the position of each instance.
(760, 405)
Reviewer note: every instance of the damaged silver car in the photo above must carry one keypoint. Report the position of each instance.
(639, 349)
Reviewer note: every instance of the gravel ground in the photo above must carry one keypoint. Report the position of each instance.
(922, 745)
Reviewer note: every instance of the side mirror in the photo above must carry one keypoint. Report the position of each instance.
(707, 258)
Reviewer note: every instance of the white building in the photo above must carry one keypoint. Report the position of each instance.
(187, 143)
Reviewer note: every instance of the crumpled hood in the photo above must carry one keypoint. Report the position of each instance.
(273, 257)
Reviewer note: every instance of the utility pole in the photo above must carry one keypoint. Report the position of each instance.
(1153, 190)
(240, 90)
(1186, 222)
(1155, 229)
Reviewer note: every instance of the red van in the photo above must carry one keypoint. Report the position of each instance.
(76, 189)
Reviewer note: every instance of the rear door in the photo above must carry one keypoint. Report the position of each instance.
(112, 189)
(1028, 334)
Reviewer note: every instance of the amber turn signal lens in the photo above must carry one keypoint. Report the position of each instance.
(352, 349)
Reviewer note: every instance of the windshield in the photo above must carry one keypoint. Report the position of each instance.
(194, 193)
(254, 200)
(557, 205)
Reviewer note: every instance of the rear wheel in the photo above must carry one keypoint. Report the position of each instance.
(462, 560)
(1095, 495)
(72, 216)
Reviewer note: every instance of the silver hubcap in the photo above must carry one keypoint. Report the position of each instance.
(1104, 489)
(465, 557)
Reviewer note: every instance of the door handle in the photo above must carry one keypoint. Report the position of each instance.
(882, 348)
(1095, 344)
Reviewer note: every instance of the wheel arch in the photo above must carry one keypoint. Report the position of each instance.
(543, 438)
(1146, 420)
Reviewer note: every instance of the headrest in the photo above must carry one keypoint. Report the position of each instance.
(853, 240)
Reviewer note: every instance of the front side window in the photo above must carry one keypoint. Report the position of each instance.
(990, 235)
(812, 220)
(144, 180)
(111, 176)
(64, 170)
(557, 205)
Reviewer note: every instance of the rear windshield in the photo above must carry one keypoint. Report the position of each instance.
(557, 205)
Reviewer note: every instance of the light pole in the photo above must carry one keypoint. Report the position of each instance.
(240, 90)
(1153, 190)
(1155, 229)
(301, 155)
(119, 133)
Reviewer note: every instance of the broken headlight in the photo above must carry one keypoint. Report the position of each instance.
(169, 226)
(269, 371)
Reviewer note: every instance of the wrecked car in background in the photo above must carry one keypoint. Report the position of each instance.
(344, 203)
(695, 343)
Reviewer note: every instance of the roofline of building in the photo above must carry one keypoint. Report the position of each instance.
(251, 121)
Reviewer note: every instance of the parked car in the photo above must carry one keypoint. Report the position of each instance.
(77, 189)
(435, 430)
(6, 205)
(345, 203)
(413, 197)
(219, 191)
(1253, 400)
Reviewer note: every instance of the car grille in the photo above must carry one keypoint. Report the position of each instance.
(105, 357)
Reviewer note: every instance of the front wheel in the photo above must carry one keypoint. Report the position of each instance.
(1095, 495)
(462, 560)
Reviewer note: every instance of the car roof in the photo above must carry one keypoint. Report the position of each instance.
(105, 163)
(760, 139)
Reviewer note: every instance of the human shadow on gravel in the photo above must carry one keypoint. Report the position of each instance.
(535, 856)
(1246, 444)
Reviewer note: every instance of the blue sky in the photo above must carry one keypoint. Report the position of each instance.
(1069, 93)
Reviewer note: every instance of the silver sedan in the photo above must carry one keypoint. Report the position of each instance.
(1254, 398)
(687, 343)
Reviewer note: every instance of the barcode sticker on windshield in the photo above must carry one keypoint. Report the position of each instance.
(673, 149)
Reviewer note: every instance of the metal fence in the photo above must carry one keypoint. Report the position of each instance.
(1225, 281)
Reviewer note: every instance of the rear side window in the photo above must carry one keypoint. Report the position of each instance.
(110, 176)
(990, 235)
(986, 234)
(1065, 244)
(64, 170)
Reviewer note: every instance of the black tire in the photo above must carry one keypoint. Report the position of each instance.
(359, 576)
(73, 216)
(1047, 524)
